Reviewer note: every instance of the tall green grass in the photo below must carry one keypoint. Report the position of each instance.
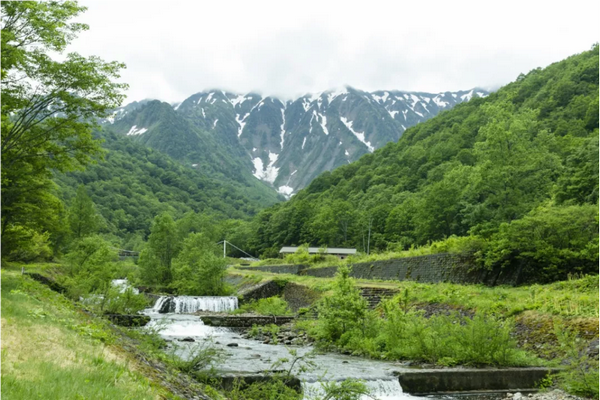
(51, 351)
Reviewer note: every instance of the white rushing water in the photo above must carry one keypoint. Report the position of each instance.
(191, 304)
(253, 357)
(381, 389)
(123, 285)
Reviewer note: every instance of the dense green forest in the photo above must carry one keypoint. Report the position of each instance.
(516, 172)
(133, 184)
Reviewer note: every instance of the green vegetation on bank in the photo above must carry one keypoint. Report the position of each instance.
(268, 306)
(516, 172)
(576, 297)
(51, 350)
(398, 329)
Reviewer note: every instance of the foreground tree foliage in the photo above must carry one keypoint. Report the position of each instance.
(49, 108)
(475, 170)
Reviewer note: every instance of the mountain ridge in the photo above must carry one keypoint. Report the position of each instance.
(288, 143)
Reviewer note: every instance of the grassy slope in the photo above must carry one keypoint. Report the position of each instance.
(535, 309)
(52, 351)
(574, 298)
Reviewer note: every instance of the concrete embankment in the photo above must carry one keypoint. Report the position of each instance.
(424, 382)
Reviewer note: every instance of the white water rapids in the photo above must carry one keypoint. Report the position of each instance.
(254, 357)
(191, 304)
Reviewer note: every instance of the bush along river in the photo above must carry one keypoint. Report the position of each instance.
(171, 317)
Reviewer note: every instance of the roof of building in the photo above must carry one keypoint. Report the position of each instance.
(314, 250)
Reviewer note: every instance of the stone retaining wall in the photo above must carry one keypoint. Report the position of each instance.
(261, 291)
(279, 269)
(433, 268)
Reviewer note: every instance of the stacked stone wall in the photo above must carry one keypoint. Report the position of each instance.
(433, 268)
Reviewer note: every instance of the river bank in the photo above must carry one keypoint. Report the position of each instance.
(246, 355)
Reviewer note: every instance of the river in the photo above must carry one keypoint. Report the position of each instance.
(246, 356)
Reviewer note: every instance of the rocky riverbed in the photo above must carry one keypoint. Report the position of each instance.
(556, 394)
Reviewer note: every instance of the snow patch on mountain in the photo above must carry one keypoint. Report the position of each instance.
(381, 99)
(467, 97)
(305, 104)
(324, 124)
(359, 135)
(286, 191)
(332, 94)
(440, 103)
(268, 174)
(282, 128)
(241, 122)
(134, 131)
(239, 99)
(303, 142)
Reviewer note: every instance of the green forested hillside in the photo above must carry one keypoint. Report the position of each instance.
(133, 184)
(157, 125)
(528, 151)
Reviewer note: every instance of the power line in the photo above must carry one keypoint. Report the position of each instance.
(225, 242)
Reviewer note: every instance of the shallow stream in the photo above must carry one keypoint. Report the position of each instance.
(251, 357)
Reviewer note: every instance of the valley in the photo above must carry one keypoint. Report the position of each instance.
(343, 244)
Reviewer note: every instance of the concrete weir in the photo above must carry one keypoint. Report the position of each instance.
(436, 381)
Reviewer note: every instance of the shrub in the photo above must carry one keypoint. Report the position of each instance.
(580, 376)
(549, 243)
(200, 356)
(269, 306)
(344, 310)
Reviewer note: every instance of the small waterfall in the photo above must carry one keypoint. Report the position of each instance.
(190, 304)
(383, 389)
(123, 285)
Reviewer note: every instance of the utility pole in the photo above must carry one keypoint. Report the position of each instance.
(369, 237)
(224, 248)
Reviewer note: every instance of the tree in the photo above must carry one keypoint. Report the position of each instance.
(549, 243)
(200, 268)
(344, 310)
(49, 108)
(163, 245)
(90, 267)
(516, 168)
(82, 217)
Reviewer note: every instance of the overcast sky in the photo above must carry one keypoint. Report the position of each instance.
(176, 48)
